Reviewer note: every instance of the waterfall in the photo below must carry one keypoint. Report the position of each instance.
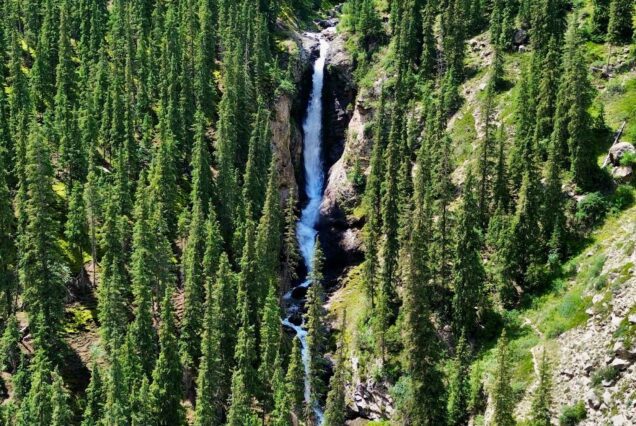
(306, 232)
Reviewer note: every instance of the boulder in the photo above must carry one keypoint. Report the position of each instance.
(621, 364)
(520, 37)
(624, 353)
(371, 400)
(619, 150)
(592, 399)
(623, 174)
(327, 23)
(620, 420)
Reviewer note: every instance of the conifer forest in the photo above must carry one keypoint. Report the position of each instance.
(317, 212)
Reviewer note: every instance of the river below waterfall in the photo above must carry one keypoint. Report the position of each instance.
(306, 232)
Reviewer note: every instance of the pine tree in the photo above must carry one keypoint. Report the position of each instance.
(316, 329)
(75, 229)
(8, 258)
(36, 408)
(9, 346)
(486, 150)
(194, 287)
(163, 181)
(61, 414)
(428, 62)
(95, 398)
(280, 415)
(165, 391)
(73, 157)
(142, 331)
(501, 190)
(620, 27)
(502, 395)
(248, 278)
(112, 311)
(335, 410)
(295, 381)
(583, 164)
(468, 273)
(291, 255)
(226, 308)
(41, 270)
(426, 406)
(142, 403)
(372, 200)
(202, 182)
(553, 217)
(522, 251)
(542, 400)
(116, 406)
(244, 376)
(600, 16)
(546, 96)
(572, 120)
(387, 295)
(208, 384)
(268, 242)
(270, 337)
(459, 388)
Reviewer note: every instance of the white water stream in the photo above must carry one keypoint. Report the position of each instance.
(306, 232)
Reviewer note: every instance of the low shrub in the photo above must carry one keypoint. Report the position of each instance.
(607, 374)
(628, 159)
(591, 210)
(572, 415)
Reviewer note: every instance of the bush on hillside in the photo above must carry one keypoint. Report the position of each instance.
(572, 415)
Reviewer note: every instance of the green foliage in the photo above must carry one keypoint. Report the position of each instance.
(165, 391)
(591, 210)
(502, 395)
(9, 346)
(620, 26)
(542, 400)
(572, 415)
(608, 374)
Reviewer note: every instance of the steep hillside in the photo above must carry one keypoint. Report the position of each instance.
(581, 318)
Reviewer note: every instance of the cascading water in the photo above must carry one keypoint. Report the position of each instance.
(314, 186)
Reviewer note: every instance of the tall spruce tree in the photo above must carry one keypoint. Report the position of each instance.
(335, 410)
(542, 400)
(502, 395)
(295, 381)
(42, 272)
(208, 406)
(165, 390)
(468, 271)
(316, 329)
(426, 406)
(8, 253)
(620, 26)
(459, 387)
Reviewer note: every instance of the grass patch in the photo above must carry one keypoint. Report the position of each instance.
(604, 374)
(620, 104)
(78, 318)
(572, 415)
(626, 330)
(565, 313)
(60, 189)
(464, 134)
(352, 299)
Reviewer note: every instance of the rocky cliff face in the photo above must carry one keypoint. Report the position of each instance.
(286, 122)
(347, 146)
(596, 363)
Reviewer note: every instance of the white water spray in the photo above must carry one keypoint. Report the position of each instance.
(314, 186)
